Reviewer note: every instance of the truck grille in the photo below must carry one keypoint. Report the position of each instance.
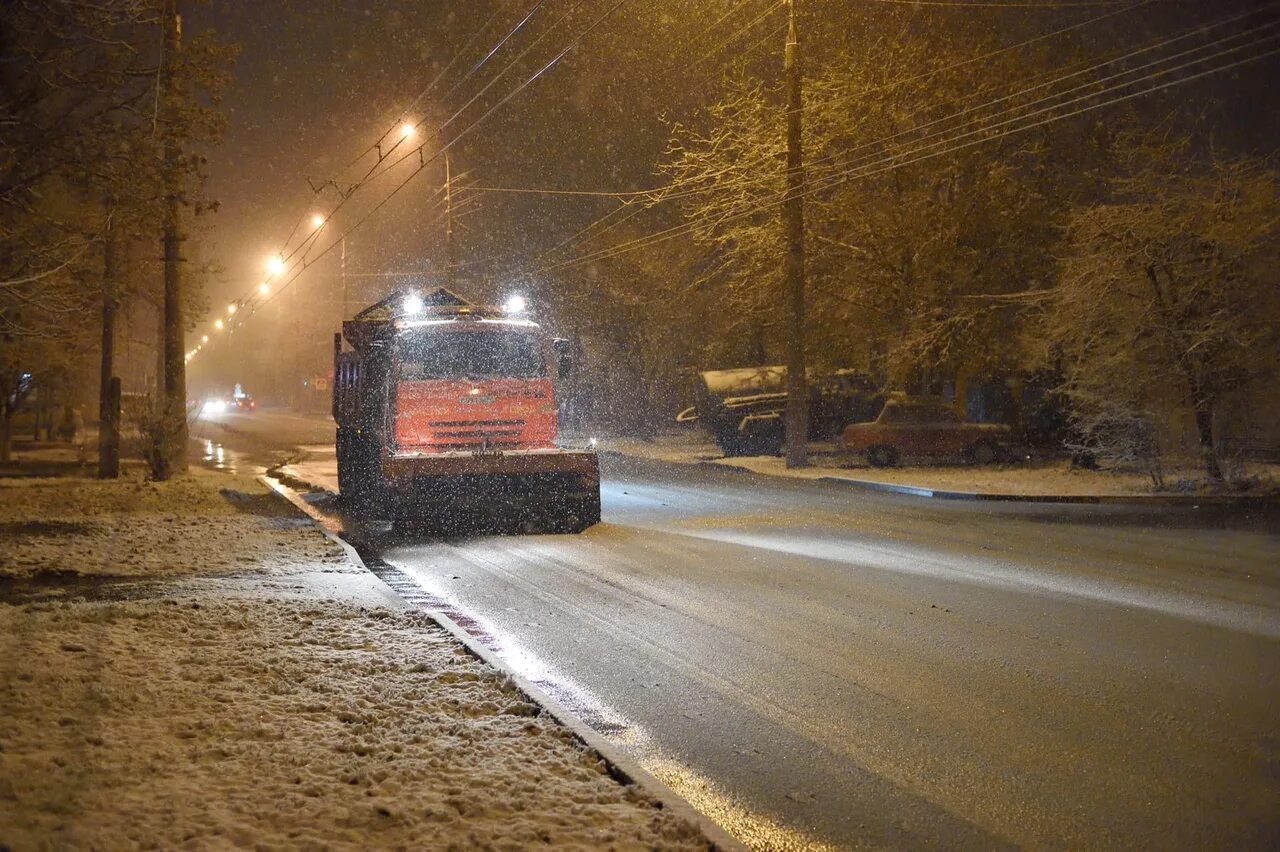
(475, 434)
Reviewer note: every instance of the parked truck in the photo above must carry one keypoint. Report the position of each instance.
(446, 412)
(743, 408)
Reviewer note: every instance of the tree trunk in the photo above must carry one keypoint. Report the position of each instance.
(172, 344)
(108, 418)
(6, 437)
(109, 432)
(1204, 426)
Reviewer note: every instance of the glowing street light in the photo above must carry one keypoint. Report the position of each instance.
(218, 324)
(317, 221)
(204, 338)
(275, 264)
(264, 289)
(407, 130)
(515, 304)
(231, 308)
(412, 303)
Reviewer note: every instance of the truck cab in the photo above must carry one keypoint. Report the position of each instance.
(474, 384)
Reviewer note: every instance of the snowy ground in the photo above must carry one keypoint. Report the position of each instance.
(293, 704)
(206, 523)
(198, 721)
(1030, 479)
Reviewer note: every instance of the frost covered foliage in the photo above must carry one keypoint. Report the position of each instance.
(924, 249)
(205, 523)
(274, 724)
(1168, 304)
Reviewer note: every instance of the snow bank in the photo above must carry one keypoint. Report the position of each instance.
(205, 522)
(203, 722)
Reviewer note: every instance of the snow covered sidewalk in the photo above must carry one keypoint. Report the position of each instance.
(293, 704)
(203, 523)
(1039, 480)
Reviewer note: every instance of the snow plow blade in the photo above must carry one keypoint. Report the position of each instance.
(554, 490)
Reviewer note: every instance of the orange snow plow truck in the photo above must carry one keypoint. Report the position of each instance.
(446, 413)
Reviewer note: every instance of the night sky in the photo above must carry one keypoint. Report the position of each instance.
(316, 82)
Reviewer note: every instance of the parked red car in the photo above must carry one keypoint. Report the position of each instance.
(923, 426)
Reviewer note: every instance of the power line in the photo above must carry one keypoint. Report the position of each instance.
(594, 193)
(896, 161)
(738, 33)
(377, 145)
(1087, 84)
(924, 75)
(302, 264)
(1093, 83)
(984, 4)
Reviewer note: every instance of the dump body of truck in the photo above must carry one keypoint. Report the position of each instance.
(447, 413)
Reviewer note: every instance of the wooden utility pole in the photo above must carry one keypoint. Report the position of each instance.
(175, 373)
(109, 413)
(448, 227)
(342, 274)
(797, 411)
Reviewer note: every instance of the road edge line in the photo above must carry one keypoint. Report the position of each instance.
(622, 768)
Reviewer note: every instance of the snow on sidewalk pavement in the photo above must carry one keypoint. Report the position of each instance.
(204, 722)
(1039, 479)
(205, 522)
(292, 704)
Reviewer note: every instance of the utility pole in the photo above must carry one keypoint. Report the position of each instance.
(108, 408)
(342, 315)
(175, 372)
(796, 420)
(448, 227)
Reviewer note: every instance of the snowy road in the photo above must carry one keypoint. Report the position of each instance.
(810, 663)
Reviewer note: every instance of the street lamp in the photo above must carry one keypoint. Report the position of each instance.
(407, 130)
(231, 308)
(275, 264)
(218, 324)
(317, 221)
(264, 289)
(204, 338)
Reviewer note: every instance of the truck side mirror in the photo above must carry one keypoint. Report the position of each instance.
(564, 358)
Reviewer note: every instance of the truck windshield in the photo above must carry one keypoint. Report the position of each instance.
(427, 355)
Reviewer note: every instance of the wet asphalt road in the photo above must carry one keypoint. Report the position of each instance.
(813, 663)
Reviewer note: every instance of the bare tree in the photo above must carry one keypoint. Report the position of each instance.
(1168, 303)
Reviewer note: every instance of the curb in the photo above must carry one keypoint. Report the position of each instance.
(622, 768)
(1192, 500)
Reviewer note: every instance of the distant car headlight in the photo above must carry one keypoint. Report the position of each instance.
(214, 406)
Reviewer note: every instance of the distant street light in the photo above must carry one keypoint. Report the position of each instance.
(204, 338)
(218, 324)
(407, 130)
(231, 308)
(515, 304)
(275, 264)
(264, 289)
(317, 221)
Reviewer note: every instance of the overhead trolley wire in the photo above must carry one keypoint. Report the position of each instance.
(945, 146)
(301, 265)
